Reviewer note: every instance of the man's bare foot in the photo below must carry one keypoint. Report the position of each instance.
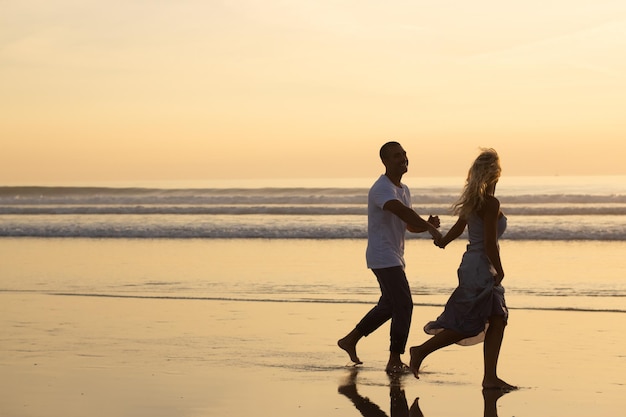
(350, 348)
(498, 384)
(397, 368)
(416, 360)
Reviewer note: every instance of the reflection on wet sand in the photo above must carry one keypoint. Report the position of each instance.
(399, 405)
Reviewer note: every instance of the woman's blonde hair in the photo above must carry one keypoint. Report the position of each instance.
(484, 172)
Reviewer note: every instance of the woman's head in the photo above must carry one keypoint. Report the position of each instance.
(485, 171)
(481, 180)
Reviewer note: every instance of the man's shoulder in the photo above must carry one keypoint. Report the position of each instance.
(382, 183)
(380, 180)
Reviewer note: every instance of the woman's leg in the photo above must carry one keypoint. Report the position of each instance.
(438, 341)
(491, 351)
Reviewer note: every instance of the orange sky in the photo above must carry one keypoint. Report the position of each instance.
(196, 90)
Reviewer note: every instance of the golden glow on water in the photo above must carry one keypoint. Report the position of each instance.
(561, 275)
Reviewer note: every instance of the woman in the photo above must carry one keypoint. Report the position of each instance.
(476, 310)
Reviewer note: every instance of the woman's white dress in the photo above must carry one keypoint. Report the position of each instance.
(476, 298)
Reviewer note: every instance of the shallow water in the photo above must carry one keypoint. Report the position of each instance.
(579, 275)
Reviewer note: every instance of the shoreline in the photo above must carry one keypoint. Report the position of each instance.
(320, 302)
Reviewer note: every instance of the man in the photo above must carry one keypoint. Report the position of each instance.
(389, 215)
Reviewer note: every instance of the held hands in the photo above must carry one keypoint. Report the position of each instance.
(437, 237)
(434, 221)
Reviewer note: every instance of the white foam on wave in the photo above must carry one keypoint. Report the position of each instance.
(538, 209)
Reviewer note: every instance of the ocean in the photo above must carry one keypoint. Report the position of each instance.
(541, 208)
(289, 242)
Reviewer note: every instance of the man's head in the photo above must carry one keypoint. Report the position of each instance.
(386, 149)
(394, 158)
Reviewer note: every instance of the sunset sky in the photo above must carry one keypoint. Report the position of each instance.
(176, 90)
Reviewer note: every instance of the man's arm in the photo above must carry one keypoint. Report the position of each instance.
(434, 220)
(411, 218)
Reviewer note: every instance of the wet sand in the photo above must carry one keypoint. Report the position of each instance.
(101, 356)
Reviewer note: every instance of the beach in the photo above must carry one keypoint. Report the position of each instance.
(75, 356)
(80, 339)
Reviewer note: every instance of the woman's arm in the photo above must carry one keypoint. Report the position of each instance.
(491, 214)
(454, 232)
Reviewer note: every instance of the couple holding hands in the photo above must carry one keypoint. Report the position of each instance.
(476, 310)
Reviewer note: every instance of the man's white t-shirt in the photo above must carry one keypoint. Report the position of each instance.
(385, 230)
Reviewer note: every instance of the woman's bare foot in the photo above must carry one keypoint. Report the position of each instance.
(350, 347)
(415, 410)
(490, 398)
(416, 360)
(492, 395)
(498, 384)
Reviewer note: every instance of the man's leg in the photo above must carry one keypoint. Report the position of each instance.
(375, 318)
(395, 288)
